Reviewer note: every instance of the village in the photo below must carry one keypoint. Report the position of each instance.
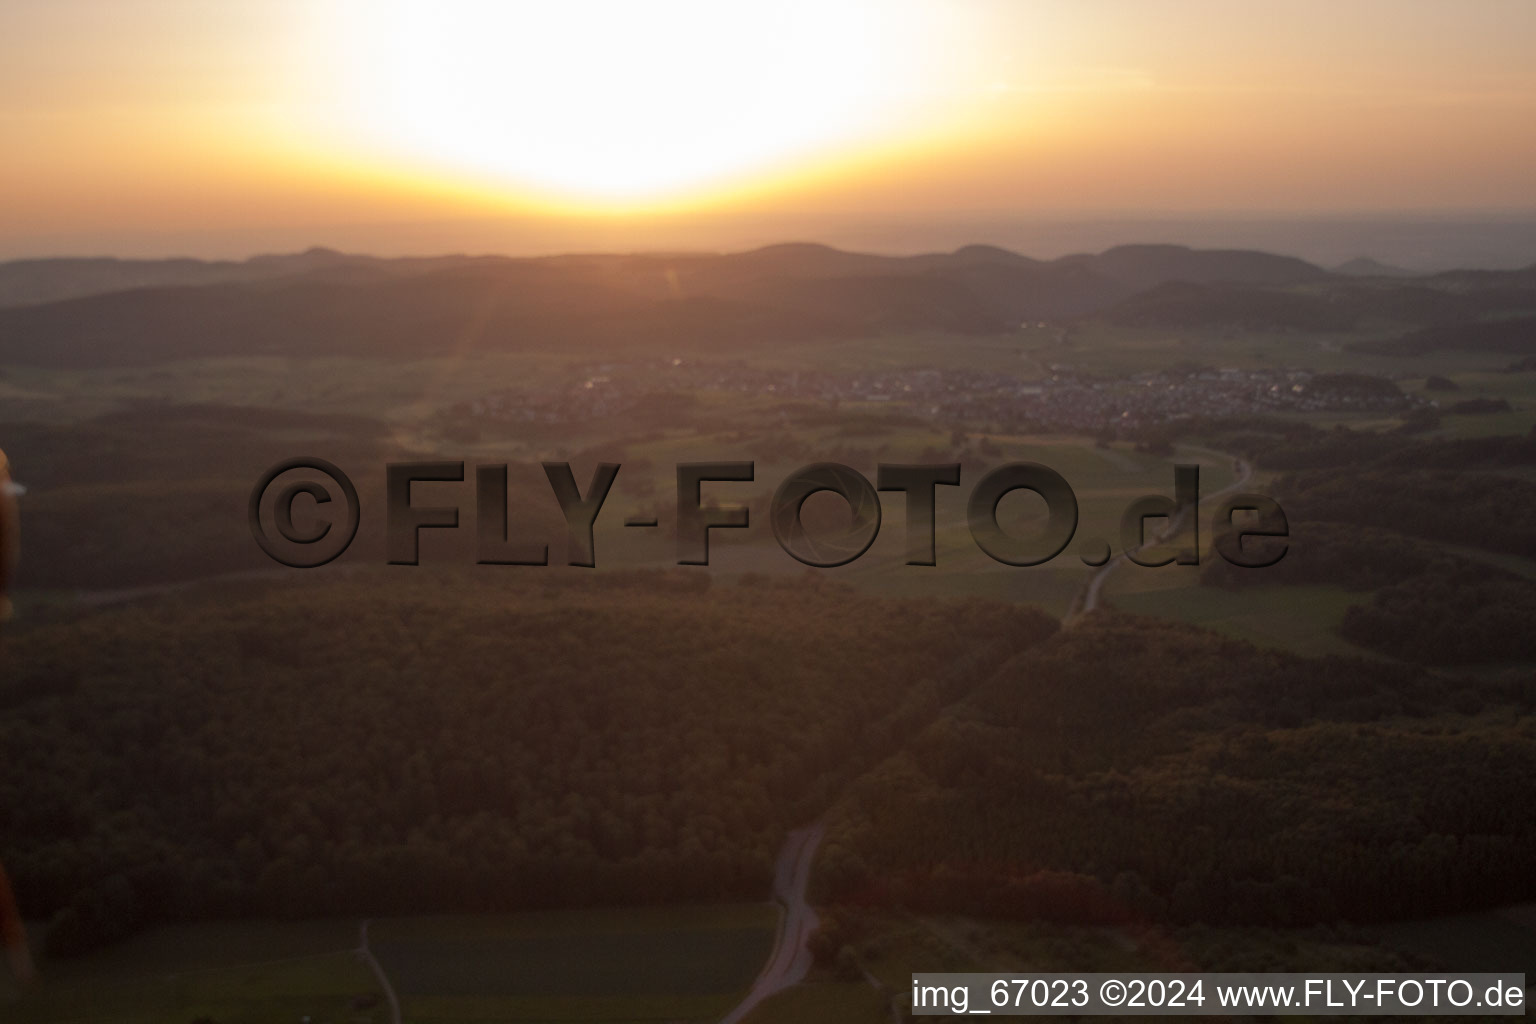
(1063, 401)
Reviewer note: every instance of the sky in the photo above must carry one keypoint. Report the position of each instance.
(151, 127)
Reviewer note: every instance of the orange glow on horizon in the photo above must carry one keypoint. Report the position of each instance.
(595, 107)
(149, 116)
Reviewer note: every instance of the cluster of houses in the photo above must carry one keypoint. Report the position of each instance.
(1063, 400)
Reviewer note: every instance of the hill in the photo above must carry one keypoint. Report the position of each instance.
(322, 302)
(1364, 266)
(30, 282)
(1146, 266)
(328, 303)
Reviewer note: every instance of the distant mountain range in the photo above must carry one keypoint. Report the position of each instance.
(1364, 266)
(95, 312)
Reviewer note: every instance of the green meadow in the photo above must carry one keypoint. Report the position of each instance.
(234, 973)
(672, 963)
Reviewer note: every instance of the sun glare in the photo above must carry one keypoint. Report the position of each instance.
(618, 103)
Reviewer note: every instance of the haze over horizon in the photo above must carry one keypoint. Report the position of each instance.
(1394, 130)
(1413, 244)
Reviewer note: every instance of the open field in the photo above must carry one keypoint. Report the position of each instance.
(824, 1001)
(1497, 940)
(234, 973)
(1105, 480)
(1518, 389)
(1024, 353)
(392, 389)
(674, 963)
(1111, 350)
(678, 963)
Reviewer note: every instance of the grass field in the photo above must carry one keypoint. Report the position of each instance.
(1109, 350)
(391, 389)
(243, 973)
(1500, 940)
(1296, 618)
(824, 1001)
(1104, 480)
(673, 963)
(670, 964)
(1518, 389)
(1024, 353)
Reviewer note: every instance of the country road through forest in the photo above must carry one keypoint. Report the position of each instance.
(1088, 599)
(790, 960)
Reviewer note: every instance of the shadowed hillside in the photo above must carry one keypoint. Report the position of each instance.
(325, 303)
(322, 302)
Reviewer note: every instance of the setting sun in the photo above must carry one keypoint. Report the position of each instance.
(616, 103)
(409, 124)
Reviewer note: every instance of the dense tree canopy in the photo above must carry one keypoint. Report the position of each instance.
(1132, 769)
(396, 744)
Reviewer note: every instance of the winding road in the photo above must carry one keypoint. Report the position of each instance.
(790, 960)
(366, 953)
(1088, 599)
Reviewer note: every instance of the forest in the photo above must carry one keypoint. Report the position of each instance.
(643, 736)
(1134, 770)
(428, 743)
